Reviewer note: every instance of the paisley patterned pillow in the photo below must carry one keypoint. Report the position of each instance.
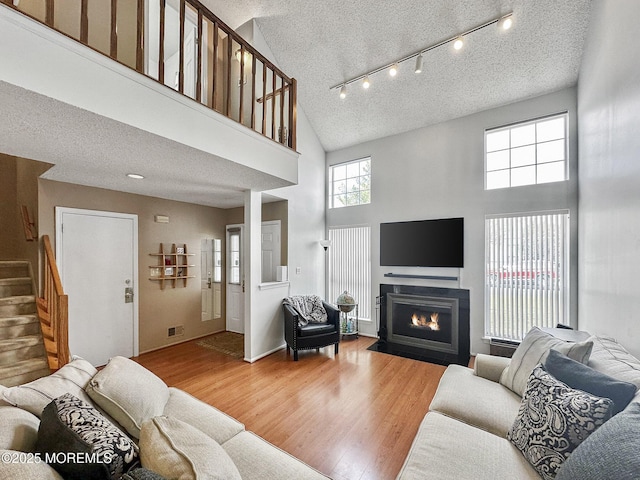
(553, 420)
(80, 443)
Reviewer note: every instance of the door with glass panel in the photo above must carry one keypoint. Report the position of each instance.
(235, 279)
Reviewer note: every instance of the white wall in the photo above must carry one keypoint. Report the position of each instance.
(437, 172)
(306, 228)
(609, 128)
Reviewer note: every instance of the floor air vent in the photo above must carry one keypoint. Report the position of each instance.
(175, 331)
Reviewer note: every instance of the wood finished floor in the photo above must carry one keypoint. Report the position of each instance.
(352, 416)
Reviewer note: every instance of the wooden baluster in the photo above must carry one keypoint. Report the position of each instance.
(253, 92)
(84, 22)
(49, 13)
(283, 135)
(139, 37)
(293, 96)
(264, 99)
(273, 105)
(241, 116)
(215, 65)
(229, 56)
(161, 41)
(114, 31)
(199, 67)
(181, 56)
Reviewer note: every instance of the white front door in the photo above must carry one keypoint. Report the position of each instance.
(97, 254)
(270, 250)
(235, 279)
(211, 276)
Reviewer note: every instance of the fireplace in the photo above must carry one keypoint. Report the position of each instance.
(426, 323)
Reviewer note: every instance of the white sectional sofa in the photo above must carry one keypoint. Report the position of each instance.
(464, 435)
(173, 434)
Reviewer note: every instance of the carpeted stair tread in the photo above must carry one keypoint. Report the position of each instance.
(13, 320)
(17, 300)
(23, 372)
(15, 281)
(9, 344)
(14, 269)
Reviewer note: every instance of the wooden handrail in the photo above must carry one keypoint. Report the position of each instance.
(53, 311)
(206, 85)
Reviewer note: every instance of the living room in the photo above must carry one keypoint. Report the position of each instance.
(436, 172)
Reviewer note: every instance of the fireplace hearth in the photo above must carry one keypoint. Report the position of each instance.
(424, 323)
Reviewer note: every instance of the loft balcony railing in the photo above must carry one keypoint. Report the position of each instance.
(184, 46)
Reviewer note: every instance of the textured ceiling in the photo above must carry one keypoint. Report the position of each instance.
(323, 43)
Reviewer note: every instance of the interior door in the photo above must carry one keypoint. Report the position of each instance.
(270, 246)
(97, 257)
(235, 279)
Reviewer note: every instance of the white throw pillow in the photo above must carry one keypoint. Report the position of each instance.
(177, 450)
(533, 350)
(128, 392)
(34, 396)
(19, 429)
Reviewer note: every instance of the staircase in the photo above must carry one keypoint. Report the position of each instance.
(22, 354)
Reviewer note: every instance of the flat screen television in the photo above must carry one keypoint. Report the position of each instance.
(423, 243)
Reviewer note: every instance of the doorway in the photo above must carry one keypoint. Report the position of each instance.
(97, 254)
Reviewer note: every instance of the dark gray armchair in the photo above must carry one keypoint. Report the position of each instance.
(312, 335)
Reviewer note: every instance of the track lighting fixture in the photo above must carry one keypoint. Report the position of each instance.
(504, 22)
(418, 68)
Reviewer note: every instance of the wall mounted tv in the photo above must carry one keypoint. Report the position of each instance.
(423, 243)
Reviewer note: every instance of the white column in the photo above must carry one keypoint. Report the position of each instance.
(252, 267)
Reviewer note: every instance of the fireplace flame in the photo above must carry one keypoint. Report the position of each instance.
(422, 321)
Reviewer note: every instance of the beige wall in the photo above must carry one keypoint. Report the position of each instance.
(188, 223)
(19, 186)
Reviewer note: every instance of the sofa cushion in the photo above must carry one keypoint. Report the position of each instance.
(475, 400)
(553, 420)
(72, 426)
(141, 474)
(179, 451)
(219, 426)
(34, 396)
(257, 459)
(611, 451)
(611, 358)
(19, 429)
(12, 468)
(579, 376)
(532, 351)
(446, 449)
(128, 392)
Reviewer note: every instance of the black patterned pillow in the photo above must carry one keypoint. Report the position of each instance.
(553, 420)
(80, 443)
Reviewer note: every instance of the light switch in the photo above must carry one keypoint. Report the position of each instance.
(298, 270)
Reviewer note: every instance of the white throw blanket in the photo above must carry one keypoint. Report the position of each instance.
(309, 308)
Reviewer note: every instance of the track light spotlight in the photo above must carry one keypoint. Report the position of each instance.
(505, 22)
(458, 44)
(366, 83)
(418, 64)
(393, 71)
(343, 92)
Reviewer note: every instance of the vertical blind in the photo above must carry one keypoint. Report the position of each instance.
(527, 273)
(350, 266)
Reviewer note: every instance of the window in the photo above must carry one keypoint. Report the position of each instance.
(217, 260)
(350, 183)
(234, 253)
(527, 285)
(526, 153)
(350, 266)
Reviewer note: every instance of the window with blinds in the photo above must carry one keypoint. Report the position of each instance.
(350, 266)
(527, 273)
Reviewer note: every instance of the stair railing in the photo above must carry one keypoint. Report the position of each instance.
(53, 312)
(183, 45)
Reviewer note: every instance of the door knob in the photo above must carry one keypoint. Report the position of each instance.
(128, 295)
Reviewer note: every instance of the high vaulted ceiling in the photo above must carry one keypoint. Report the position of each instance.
(324, 43)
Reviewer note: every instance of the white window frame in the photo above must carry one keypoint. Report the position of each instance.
(527, 287)
(334, 201)
(509, 166)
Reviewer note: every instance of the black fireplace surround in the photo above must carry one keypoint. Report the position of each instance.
(425, 323)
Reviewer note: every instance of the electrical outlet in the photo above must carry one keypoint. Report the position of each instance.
(298, 270)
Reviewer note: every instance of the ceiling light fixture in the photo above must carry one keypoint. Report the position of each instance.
(418, 64)
(343, 92)
(135, 176)
(504, 22)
